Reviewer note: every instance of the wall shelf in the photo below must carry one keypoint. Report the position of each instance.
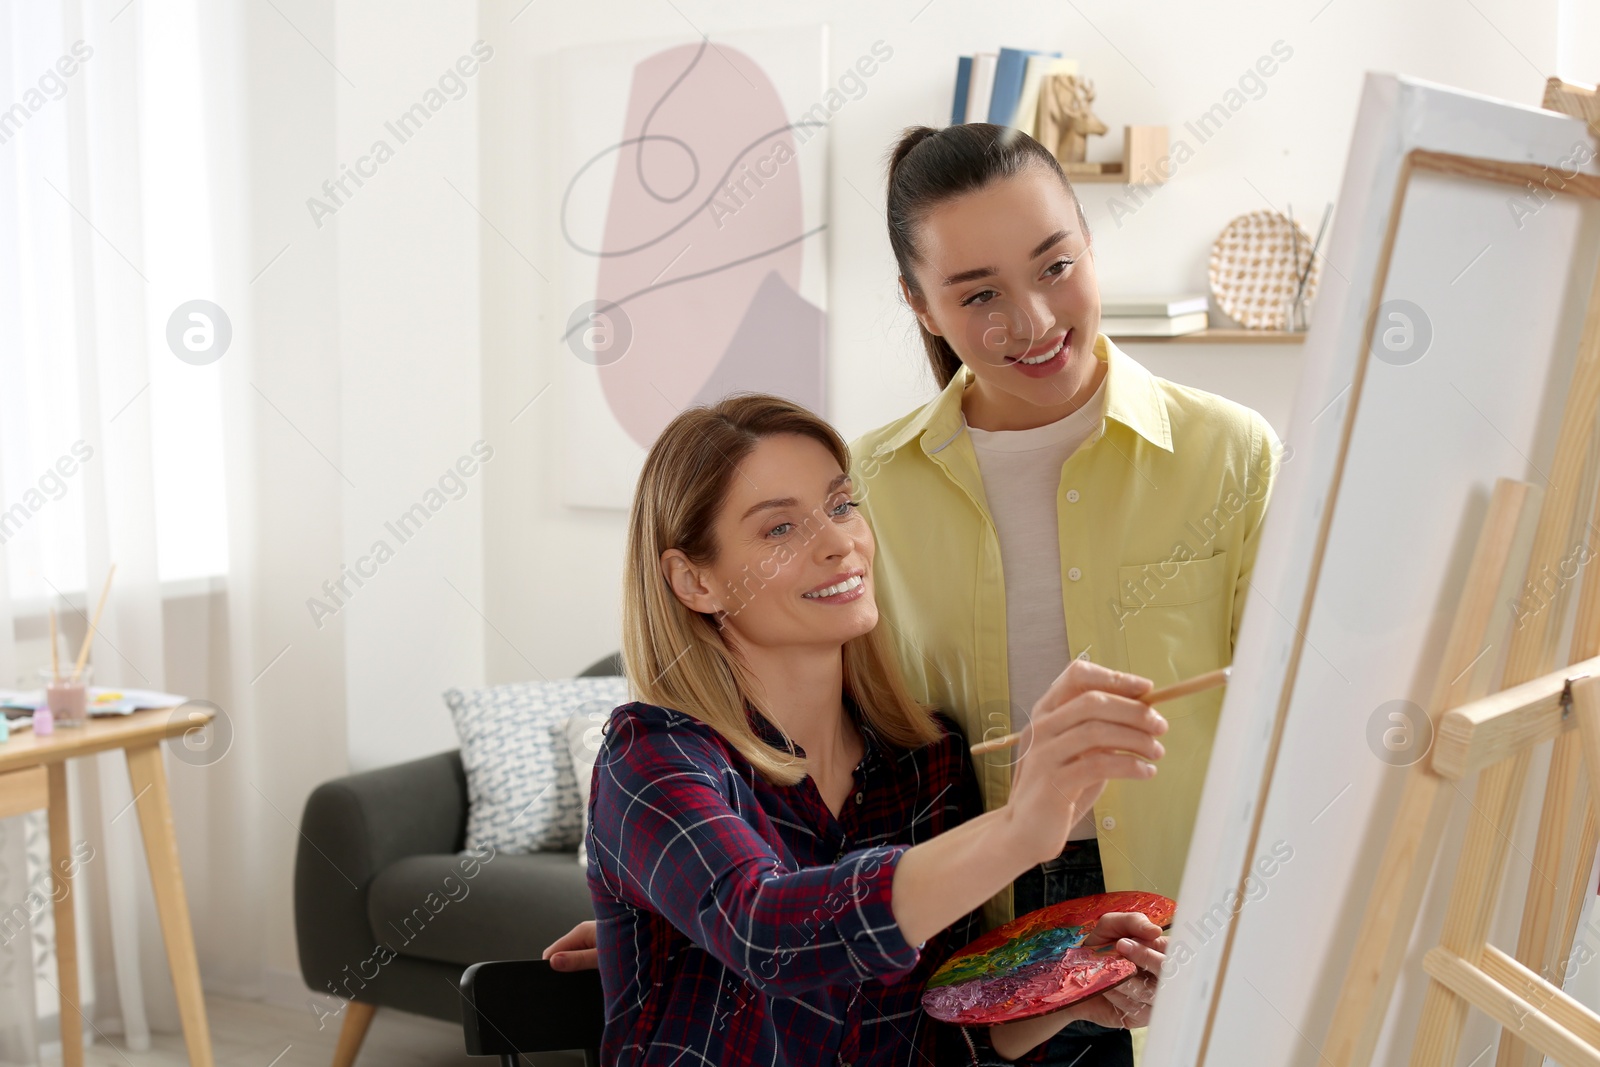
(1145, 160)
(1220, 337)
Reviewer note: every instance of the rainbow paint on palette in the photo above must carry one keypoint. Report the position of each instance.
(1037, 964)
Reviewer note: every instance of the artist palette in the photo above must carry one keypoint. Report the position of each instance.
(1037, 963)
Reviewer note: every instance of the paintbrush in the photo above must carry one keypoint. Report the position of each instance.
(1322, 229)
(55, 656)
(1198, 684)
(94, 624)
(1294, 240)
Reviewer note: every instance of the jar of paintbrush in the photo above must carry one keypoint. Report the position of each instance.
(67, 698)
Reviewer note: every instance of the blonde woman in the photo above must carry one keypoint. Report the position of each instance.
(783, 842)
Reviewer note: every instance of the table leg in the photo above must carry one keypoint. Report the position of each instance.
(149, 779)
(61, 861)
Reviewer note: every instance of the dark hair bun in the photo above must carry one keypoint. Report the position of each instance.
(913, 136)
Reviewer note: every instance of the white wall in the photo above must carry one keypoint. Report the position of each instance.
(281, 394)
(351, 387)
(408, 248)
(552, 571)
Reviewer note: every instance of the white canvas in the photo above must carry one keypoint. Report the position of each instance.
(1502, 292)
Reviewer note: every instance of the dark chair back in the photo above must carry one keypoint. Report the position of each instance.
(611, 664)
(517, 1006)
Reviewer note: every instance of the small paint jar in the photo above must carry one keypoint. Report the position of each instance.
(68, 701)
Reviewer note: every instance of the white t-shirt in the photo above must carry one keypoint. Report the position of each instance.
(1021, 472)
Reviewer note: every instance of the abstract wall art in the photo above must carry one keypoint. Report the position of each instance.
(692, 229)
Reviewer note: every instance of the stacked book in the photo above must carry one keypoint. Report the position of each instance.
(1153, 316)
(1003, 87)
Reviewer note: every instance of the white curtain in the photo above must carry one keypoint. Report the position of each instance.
(127, 193)
(84, 375)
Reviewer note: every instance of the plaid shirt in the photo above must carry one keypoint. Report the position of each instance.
(740, 922)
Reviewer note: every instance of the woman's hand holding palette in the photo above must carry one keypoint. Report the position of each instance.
(1037, 963)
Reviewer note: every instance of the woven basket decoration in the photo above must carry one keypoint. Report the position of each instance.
(1254, 271)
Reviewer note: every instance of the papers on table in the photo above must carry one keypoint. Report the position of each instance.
(20, 704)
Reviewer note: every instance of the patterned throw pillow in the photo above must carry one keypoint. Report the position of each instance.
(585, 732)
(522, 793)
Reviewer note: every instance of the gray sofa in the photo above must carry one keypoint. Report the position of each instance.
(373, 848)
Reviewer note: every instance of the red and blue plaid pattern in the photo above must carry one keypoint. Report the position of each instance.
(741, 923)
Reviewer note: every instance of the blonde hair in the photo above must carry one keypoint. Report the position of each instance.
(674, 656)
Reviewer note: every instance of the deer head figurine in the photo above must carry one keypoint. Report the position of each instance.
(1065, 121)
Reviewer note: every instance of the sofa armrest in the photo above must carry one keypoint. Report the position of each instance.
(352, 829)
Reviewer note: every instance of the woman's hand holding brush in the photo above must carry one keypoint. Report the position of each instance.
(1091, 725)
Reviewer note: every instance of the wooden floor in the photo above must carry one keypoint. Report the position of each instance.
(253, 1034)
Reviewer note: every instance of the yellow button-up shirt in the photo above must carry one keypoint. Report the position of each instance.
(1159, 516)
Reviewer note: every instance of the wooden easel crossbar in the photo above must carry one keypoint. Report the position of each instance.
(1489, 734)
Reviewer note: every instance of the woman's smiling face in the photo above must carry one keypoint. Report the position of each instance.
(1006, 278)
(794, 556)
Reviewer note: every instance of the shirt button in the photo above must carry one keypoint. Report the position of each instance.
(1108, 823)
(1074, 574)
(860, 797)
(1072, 496)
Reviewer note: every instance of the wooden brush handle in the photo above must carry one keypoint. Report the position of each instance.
(1189, 686)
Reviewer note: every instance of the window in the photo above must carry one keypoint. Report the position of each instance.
(186, 400)
(52, 302)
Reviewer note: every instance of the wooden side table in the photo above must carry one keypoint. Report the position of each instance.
(33, 775)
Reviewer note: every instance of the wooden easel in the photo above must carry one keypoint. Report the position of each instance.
(1569, 828)
(1495, 736)
(1579, 101)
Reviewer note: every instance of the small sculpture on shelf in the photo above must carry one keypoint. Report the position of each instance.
(1065, 121)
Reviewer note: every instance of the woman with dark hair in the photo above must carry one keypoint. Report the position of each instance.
(1072, 504)
(784, 843)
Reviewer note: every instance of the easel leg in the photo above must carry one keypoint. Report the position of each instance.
(1578, 885)
(61, 861)
(1539, 943)
(1479, 873)
(1568, 832)
(149, 779)
(1586, 709)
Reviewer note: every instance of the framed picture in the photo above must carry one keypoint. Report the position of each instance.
(692, 238)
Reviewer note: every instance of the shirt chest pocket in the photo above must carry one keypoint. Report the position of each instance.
(1177, 619)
